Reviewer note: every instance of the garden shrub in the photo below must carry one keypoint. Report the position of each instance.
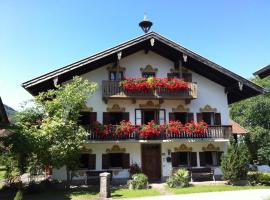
(19, 195)
(138, 181)
(234, 164)
(134, 169)
(179, 179)
(258, 178)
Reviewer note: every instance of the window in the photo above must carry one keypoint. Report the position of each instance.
(113, 75)
(184, 159)
(88, 161)
(115, 118)
(161, 117)
(87, 118)
(181, 116)
(115, 160)
(210, 158)
(208, 117)
(148, 74)
(143, 116)
(173, 75)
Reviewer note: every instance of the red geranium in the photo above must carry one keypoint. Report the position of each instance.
(147, 84)
(193, 127)
(125, 128)
(174, 127)
(151, 129)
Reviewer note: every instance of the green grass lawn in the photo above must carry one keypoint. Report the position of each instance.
(213, 188)
(91, 193)
(126, 193)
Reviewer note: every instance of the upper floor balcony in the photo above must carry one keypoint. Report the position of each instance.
(212, 132)
(114, 90)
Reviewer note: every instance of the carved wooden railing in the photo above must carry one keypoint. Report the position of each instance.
(213, 132)
(112, 89)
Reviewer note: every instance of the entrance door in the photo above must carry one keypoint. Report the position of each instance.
(151, 161)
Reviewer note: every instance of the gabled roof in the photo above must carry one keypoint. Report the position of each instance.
(237, 128)
(264, 72)
(237, 87)
(3, 115)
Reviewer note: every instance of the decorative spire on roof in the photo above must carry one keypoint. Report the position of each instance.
(145, 24)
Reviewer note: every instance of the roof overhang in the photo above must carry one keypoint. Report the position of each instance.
(264, 72)
(236, 87)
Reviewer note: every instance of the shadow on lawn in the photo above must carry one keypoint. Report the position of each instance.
(52, 194)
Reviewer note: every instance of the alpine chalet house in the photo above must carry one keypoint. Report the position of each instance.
(158, 105)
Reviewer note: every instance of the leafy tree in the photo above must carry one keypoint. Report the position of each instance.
(254, 114)
(60, 135)
(48, 133)
(234, 164)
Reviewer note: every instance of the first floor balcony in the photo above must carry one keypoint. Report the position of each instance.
(212, 132)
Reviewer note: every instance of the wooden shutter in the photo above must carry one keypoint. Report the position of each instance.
(125, 116)
(187, 77)
(105, 161)
(190, 117)
(171, 116)
(125, 160)
(174, 159)
(199, 117)
(219, 154)
(202, 159)
(193, 159)
(92, 161)
(217, 119)
(84, 118)
(106, 118)
(92, 117)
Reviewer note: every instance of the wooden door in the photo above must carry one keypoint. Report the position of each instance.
(151, 161)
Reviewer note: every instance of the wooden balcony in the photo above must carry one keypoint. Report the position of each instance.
(213, 132)
(113, 90)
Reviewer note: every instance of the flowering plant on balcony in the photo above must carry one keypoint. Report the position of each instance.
(100, 129)
(198, 128)
(150, 129)
(125, 128)
(147, 84)
(174, 127)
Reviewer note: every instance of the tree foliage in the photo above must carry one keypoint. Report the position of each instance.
(234, 164)
(48, 133)
(254, 114)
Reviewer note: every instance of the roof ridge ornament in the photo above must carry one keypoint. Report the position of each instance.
(145, 24)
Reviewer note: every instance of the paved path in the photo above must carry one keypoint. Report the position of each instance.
(258, 194)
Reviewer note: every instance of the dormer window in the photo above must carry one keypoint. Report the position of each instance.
(113, 75)
(148, 71)
(148, 74)
(113, 71)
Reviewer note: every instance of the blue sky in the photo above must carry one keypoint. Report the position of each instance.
(39, 36)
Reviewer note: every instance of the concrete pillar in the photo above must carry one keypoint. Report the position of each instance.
(105, 191)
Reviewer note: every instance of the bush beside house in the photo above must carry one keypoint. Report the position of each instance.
(179, 179)
(234, 164)
(138, 181)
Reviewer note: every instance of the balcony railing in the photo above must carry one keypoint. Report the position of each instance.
(112, 89)
(213, 132)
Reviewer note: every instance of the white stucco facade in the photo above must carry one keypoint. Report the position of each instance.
(209, 93)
